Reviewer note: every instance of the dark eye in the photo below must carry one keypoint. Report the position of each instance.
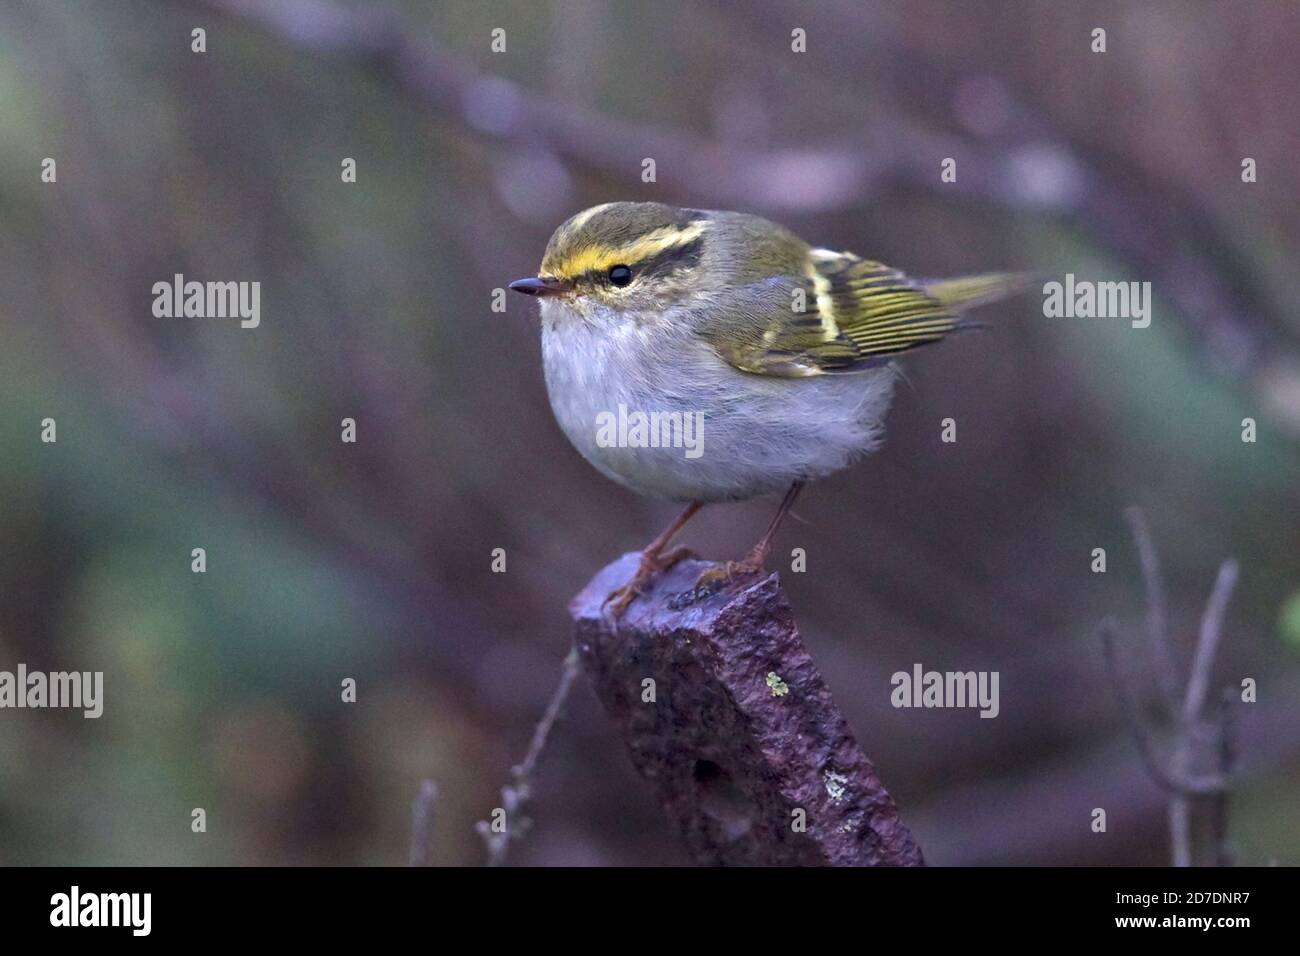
(620, 275)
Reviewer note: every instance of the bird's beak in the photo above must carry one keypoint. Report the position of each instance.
(539, 285)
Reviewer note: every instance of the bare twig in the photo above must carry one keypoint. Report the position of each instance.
(1157, 615)
(1191, 726)
(512, 825)
(422, 822)
(1207, 644)
(1227, 764)
(543, 730)
(1143, 732)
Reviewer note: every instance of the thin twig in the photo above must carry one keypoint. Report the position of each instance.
(422, 820)
(1142, 732)
(1157, 615)
(516, 794)
(1207, 645)
(1227, 764)
(1186, 714)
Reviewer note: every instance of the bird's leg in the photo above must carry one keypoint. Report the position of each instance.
(756, 560)
(653, 560)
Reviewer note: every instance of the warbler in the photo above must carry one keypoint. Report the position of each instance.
(783, 352)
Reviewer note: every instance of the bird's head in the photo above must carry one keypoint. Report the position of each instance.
(624, 256)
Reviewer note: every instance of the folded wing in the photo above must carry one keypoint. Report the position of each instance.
(855, 315)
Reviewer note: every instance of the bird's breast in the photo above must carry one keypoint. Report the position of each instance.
(652, 406)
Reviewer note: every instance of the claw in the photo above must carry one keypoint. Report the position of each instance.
(720, 575)
(622, 598)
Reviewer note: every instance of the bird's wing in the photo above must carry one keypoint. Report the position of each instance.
(855, 315)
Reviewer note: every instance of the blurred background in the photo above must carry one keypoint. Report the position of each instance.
(372, 560)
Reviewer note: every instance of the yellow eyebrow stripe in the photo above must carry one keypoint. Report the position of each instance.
(600, 258)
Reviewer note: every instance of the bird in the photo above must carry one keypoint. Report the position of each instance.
(778, 357)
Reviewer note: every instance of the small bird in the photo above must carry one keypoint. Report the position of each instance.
(781, 355)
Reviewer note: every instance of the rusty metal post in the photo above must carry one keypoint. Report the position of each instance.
(737, 733)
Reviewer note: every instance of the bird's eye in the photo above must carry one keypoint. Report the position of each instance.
(620, 275)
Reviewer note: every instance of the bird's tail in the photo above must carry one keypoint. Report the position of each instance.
(969, 292)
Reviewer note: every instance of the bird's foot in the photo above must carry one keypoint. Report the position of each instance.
(720, 575)
(620, 599)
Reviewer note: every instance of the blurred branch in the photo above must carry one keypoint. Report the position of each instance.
(1035, 167)
(1191, 724)
(515, 795)
(422, 820)
(725, 715)
(831, 175)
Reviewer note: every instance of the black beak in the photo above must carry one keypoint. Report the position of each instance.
(539, 286)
